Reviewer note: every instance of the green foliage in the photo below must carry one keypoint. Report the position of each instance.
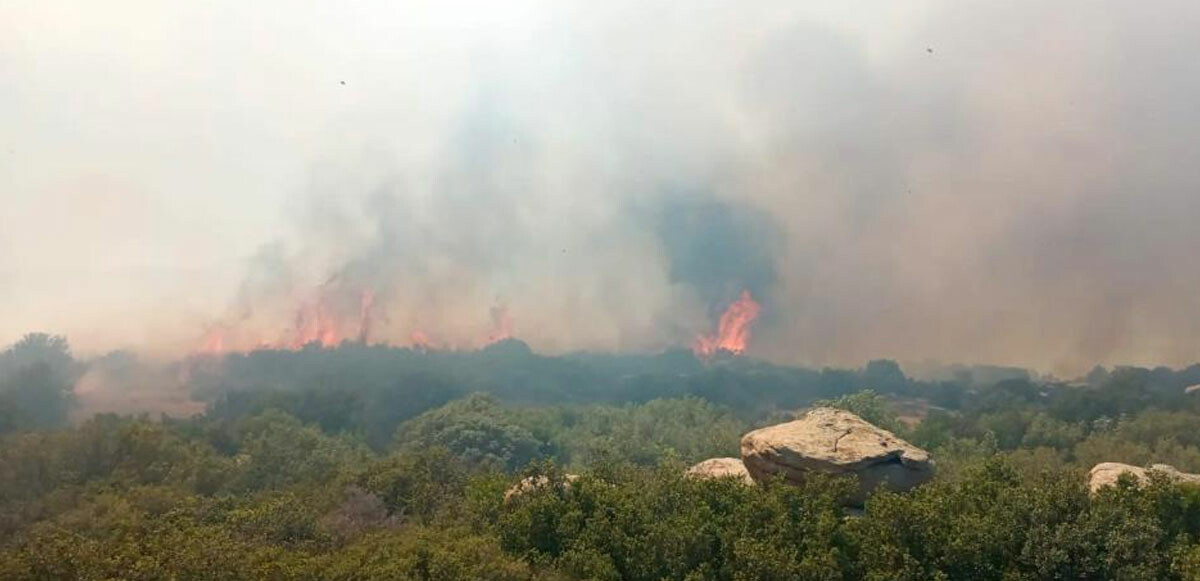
(884, 375)
(482, 432)
(369, 469)
(37, 381)
(424, 554)
(869, 406)
(477, 429)
(416, 485)
(1044, 430)
(131, 498)
(689, 429)
(936, 430)
(655, 524)
(275, 450)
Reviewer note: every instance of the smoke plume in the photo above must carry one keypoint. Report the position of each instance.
(1007, 183)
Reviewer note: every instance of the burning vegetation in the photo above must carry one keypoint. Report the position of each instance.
(733, 329)
(323, 322)
(327, 319)
(365, 303)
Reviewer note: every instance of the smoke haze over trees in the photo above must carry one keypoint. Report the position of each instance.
(1006, 184)
(385, 462)
(459, 290)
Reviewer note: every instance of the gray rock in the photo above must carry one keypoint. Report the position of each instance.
(721, 468)
(833, 441)
(532, 483)
(1107, 473)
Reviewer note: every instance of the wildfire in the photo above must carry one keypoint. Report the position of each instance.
(419, 340)
(315, 324)
(331, 315)
(213, 342)
(733, 329)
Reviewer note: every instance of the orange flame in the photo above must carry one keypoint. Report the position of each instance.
(315, 324)
(733, 330)
(326, 318)
(213, 342)
(420, 340)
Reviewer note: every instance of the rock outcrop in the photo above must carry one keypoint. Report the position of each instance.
(1107, 473)
(834, 441)
(721, 468)
(531, 483)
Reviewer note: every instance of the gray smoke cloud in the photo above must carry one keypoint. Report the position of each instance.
(1006, 183)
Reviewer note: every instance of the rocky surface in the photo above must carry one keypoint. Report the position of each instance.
(1107, 473)
(721, 468)
(834, 441)
(531, 483)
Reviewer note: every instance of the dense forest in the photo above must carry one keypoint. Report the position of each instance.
(372, 462)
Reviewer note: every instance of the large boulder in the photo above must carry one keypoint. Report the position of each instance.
(1107, 473)
(720, 468)
(834, 441)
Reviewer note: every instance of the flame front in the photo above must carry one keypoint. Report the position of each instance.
(315, 324)
(419, 340)
(213, 342)
(733, 329)
(332, 314)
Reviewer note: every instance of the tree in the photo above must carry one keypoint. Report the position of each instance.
(37, 381)
(40, 396)
(884, 375)
(867, 405)
(477, 430)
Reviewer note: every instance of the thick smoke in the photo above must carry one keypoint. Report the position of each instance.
(718, 248)
(1007, 183)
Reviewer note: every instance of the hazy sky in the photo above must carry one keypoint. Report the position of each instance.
(1007, 182)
